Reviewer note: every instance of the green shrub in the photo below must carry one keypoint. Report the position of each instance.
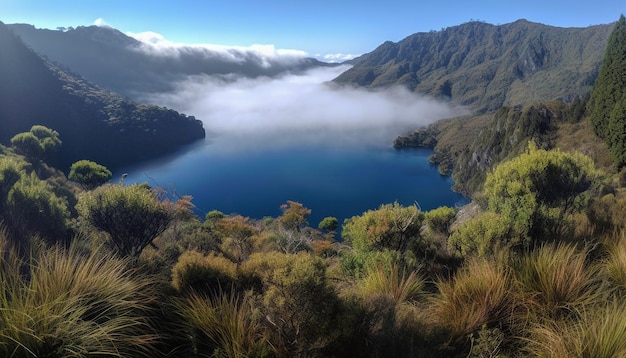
(195, 272)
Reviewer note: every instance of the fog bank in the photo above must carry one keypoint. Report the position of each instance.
(297, 108)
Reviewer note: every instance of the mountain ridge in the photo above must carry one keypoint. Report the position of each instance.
(487, 66)
(116, 61)
(93, 123)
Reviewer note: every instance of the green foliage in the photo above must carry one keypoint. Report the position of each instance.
(536, 193)
(29, 206)
(196, 272)
(482, 235)
(48, 138)
(487, 343)
(27, 144)
(392, 226)
(440, 219)
(131, 215)
(607, 108)
(33, 209)
(294, 286)
(40, 141)
(356, 264)
(72, 305)
(294, 215)
(329, 223)
(89, 174)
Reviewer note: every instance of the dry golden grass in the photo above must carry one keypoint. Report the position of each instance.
(579, 137)
(223, 325)
(598, 332)
(61, 303)
(397, 284)
(556, 280)
(480, 294)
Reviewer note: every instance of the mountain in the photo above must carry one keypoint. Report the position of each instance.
(93, 123)
(123, 64)
(487, 66)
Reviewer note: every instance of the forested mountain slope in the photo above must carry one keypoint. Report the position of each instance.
(93, 123)
(123, 64)
(487, 66)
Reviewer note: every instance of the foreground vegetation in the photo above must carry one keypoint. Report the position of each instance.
(536, 266)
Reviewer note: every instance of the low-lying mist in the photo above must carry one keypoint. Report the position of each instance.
(300, 108)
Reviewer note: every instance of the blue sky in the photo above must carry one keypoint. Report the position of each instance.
(316, 27)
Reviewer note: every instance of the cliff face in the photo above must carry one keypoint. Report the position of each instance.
(487, 66)
(94, 123)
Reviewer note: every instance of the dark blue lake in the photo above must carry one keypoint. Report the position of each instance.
(331, 180)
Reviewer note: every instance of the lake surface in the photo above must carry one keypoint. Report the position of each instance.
(330, 179)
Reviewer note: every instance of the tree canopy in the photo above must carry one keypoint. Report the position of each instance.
(39, 142)
(89, 174)
(607, 105)
(530, 199)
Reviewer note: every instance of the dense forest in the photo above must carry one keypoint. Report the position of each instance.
(534, 266)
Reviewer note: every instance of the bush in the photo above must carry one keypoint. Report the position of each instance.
(295, 299)
(131, 215)
(196, 272)
(391, 226)
(89, 174)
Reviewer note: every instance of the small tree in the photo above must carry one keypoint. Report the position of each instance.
(329, 224)
(39, 142)
(27, 144)
(131, 215)
(89, 174)
(392, 227)
(294, 216)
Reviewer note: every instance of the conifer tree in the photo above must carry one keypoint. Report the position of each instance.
(606, 106)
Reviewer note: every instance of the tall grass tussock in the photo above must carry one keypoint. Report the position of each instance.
(60, 303)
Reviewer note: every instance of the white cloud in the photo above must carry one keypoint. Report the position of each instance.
(156, 44)
(101, 23)
(335, 57)
(302, 108)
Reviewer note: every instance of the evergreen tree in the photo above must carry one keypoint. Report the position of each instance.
(606, 106)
